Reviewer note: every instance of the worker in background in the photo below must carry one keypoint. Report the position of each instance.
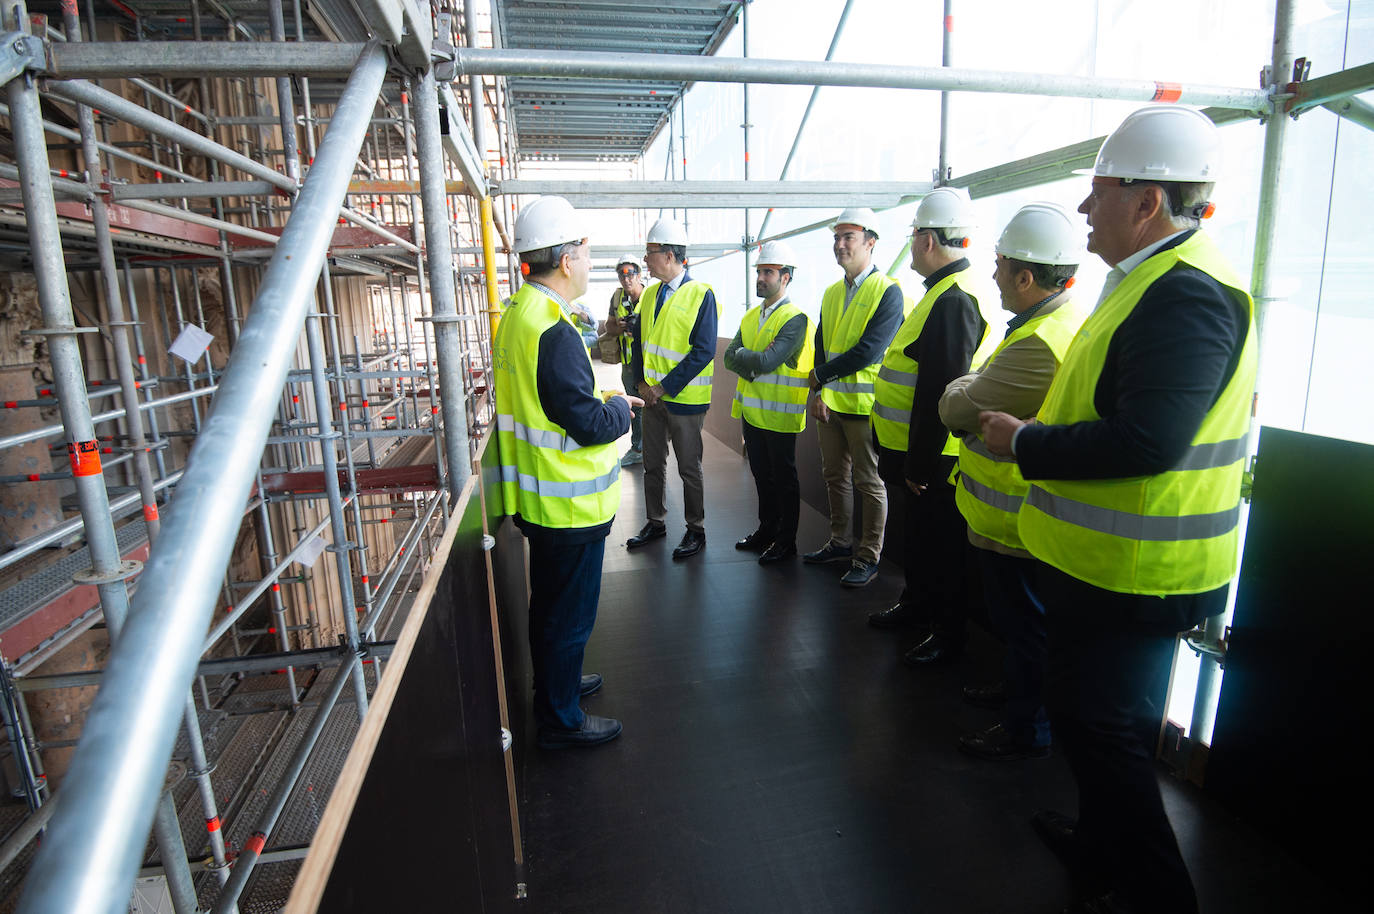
(935, 344)
(621, 321)
(1133, 506)
(772, 355)
(1037, 256)
(859, 315)
(674, 358)
(559, 473)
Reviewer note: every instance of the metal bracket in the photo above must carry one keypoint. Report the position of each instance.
(1196, 640)
(127, 569)
(20, 53)
(58, 331)
(442, 51)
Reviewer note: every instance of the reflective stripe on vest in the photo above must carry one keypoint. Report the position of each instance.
(544, 488)
(1156, 528)
(775, 401)
(895, 387)
(546, 476)
(1175, 532)
(842, 328)
(988, 487)
(666, 338)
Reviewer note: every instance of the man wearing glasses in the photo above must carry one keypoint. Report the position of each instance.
(673, 359)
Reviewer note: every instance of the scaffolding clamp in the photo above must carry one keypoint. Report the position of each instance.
(127, 569)
(1198, 642)
(441, 50)
(20, 53)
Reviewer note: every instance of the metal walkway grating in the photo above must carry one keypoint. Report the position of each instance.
(27, 594)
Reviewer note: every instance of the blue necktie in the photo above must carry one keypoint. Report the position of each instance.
(662, 296)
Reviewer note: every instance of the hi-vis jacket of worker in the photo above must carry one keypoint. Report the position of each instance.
(666, 340)
(989, 488)
(896, 379)
(622, 306)
(775, 400)
(1162, 533)
(548, 476)
(851, 339)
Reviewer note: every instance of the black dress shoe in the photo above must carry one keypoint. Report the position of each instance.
(1060, 834)
(591, 682)
(898, 615)
(1107, 903)
(991, 696)
(647, 534)
(594, 731)
(935, 648)
(777, 552)
(757, 541)
(691, 544)
(996, 745)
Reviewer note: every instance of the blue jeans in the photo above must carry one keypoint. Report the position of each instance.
(565, 586)
(1018, 617)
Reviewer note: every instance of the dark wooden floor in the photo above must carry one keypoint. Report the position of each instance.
(778, 757)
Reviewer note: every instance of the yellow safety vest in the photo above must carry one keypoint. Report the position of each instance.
(666, 338)
(1175, 532)
(842, 328)
(895, 384)
(775, 401)
(623, 309)
(546, 476)
(989, 488)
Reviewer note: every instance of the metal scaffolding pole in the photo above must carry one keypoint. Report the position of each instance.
(90, 857)
(108, 572)
(942, 170)
(132, 113)
(687, 68)
(252, 848)
(747, 240)
(806, 115)
(1262, 289)
(286, 100)
(329, 457)
(444, 303)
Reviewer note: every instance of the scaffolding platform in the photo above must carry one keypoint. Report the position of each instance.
(42, 609)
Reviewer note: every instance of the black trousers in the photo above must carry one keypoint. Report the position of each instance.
(934, 544)
(773, 461)
(1017, 614)
(565, 588)
(1110, 656)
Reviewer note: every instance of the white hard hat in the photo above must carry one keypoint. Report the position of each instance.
(545, 222)
(861, 216)
(1042, 233)
(1161, 143)
(627, 262)
(778, 254)
(667, 231)
(945, 208)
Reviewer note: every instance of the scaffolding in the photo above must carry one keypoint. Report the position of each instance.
(347, 400)
(275, 260)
